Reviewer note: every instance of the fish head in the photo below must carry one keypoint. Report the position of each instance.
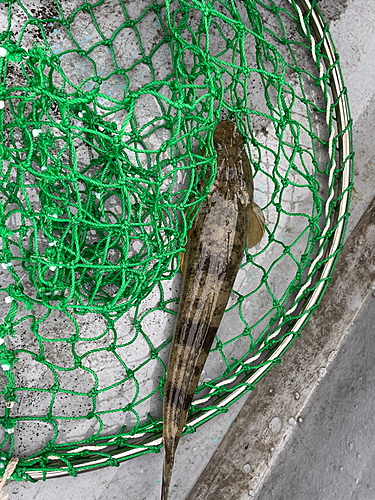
(227, 135)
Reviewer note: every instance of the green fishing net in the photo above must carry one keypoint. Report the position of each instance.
(105, 110)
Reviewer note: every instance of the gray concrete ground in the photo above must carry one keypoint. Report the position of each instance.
(331, 454)
(251, 436)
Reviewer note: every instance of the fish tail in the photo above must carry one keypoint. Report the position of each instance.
(166, 479)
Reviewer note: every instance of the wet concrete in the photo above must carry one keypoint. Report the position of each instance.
(332, 11)
(331, 453)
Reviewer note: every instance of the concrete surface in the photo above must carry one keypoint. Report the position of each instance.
(353, 32)
(256, 436)
(331, 453)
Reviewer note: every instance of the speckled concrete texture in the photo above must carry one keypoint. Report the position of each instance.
(354, 36)
(331, 453)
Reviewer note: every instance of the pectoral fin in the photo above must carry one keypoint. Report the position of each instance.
(255, 228)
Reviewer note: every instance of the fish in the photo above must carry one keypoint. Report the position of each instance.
(226, 220)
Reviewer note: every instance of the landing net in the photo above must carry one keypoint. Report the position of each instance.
(105, 109)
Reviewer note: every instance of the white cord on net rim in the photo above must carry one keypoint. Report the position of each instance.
(142, 441)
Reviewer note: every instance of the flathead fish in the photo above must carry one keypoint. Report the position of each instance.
(226, 221)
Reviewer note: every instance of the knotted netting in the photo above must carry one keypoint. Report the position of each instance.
(105, 110)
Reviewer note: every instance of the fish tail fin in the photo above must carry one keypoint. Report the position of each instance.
(166, 479)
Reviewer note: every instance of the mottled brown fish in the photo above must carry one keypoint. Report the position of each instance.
(226, 220)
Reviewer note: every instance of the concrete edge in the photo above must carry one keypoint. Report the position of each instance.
(268, 417)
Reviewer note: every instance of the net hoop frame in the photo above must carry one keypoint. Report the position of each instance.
(103, 455)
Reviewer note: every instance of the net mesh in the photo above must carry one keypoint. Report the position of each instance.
(102, 126)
